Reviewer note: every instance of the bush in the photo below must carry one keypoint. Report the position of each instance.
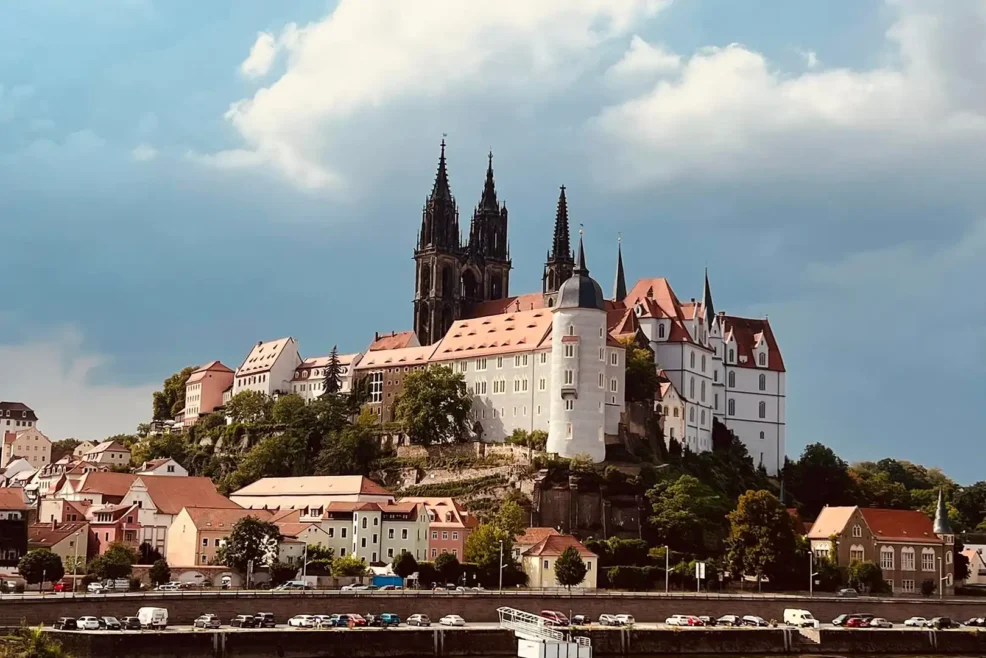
(928, 587)
(135, 584)
(632, 578)
(19, 588)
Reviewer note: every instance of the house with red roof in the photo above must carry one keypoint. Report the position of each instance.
(539, 561)
(309, 377)
(204, 390)
(268, 368)
(450, 524)
(908, 546)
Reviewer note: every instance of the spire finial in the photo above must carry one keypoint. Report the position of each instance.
(441, 188)
(942, 525)
(620, 285)
(580, 266)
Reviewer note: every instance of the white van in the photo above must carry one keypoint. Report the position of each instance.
(799, 618)
(153, 617)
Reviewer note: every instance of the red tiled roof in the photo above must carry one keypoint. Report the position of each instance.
(494, 334)
(12, 499)
(211, 518)
(659, 301)
(799, 525)
(42, 535)
(556, 545)
(903, 525)
(294, 529)
(106, 483)
(285, 516)
(746, 332)
(213, 366)
(533, 536)
(393, 341)
(170, 494)
(528, 302)
(314, 485)
(345, 506)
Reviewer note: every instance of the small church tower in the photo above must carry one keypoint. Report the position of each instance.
(559, 265)
(578, 338)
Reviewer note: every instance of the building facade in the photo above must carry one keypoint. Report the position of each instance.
(269, 368)
(539, 560)
(204, 390)
(69, 541)
(109, 453)
(309, 377)
(448, 528)
(13, 526)
(311, 495)
(29, 444)
(15, 416)
(376, 532)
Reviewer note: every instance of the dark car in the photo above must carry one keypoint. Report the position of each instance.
(383, 620)
(207, 620)
(729, 620)
(109, 623)
(130, 623)
(265, 620)
(66, 624)
(580, 620)
(243, 621)
(941, 622)
(975, 622)
(709, 620)
(843, 620)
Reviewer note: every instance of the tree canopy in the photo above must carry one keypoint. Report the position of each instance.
(448, 567)
(348, 565)
(434, 406)
(688, 516)
(570, 568)
(250, 540)
(41, 563)
(171, 398)
(116, 562)
(761, 538)
(641, 372)
(159, 572)
(404, 564)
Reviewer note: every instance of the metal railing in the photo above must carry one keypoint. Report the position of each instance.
(528, 625)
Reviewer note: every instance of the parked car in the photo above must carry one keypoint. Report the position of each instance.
(580, 620)
(730, 620)
(63, 586)
(941, 622)
(326, 621)
(753, 620)
(677, 620)
(880, 622)
(847, 593)
(385, 620)
(87, 623)
(799, 618)
(167, 587)
(918, 622)
(554, 618)
(153, 617)
(709, 620)
(843, 620)
(608, 620)
(857, 622)
(626, 620)
(130, 623)
(207, 620)
(293, 585)
(452, 620)
(391, 588)
(95, 588)
(302, 621)
(976, 622)
(109, 623)
(265, 620)
(66, 624)
(418, 620)
(243, 621)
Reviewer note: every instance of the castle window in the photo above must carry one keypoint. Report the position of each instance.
(480, 364)
(569, 377)
(691, 414)
(613, 384)
(614, 358)
(763, 382)
(569, 351)
(571, 330)
(731, 407)
(676, 412)
(660, 330)
(732, 355)
(887, 558)
(569, 406)
(761, 436)
(763, 358)
(691, 360)
(703, 363)
(691, 389)
(731, 380)
(907, 561)
(703, 390)
(499, 362)
(602, 356)
(716, 398)
(763, 409)
(602, 380)
(927, 559)
(948, 557)
(600, 332)
(703, 418)
(542, 384)
(544, 357)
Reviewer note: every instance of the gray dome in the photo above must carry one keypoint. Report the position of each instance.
(581, 290)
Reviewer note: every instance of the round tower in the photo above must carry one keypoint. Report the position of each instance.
(578, 365)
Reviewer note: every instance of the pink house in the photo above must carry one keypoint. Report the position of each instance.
(450, 526)
(114, 523)
(204, 390)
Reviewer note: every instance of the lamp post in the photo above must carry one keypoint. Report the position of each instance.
(667, 567)
(811, 573)
(501, 565)
(941, 578)
(304, 568)
(75, 563)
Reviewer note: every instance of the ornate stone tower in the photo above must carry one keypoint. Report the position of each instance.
(486, 272)
(560, 264)
(437, 257)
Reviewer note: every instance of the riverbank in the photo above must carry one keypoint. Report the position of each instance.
(492, 643)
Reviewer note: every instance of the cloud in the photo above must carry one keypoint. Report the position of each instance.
(261, 56)
(11, 100)
(56, 377)
(644, 60)
(373, 54)
(810, 57)
(144, 152)
(731, 114)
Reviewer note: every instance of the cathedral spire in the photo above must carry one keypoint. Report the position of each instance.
(580, 267)
(441, 189)
(620, 286)
(560, 246)
(942, 526)
(488, 200)
(708, 308)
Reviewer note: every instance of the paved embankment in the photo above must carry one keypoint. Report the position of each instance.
(184, 607)
(464, 642)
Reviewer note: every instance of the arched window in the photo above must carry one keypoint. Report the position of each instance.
(703, 417)
(691, 360)
(857, 531)
(703, 390)
(857, 553)
(703, 363)
(732, 355)
(731, 380)
(927, 559)
(763, 409)
(691, 389)
(887, 557)
(948, 557)
(907, 559)
(676, 412)
(660, 330)
(691, 415)
(763, 358)
(761, 436)
(731, 407)
(763, 382)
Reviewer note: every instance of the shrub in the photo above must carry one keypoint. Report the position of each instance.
(928, 587)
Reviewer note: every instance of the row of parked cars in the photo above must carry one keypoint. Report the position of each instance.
(145, 618)
(863, 620)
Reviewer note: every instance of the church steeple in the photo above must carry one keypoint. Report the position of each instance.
(441, 189)
(560, 263)
(620, 286)
(440, 216)
(488, 200)
(708, 308)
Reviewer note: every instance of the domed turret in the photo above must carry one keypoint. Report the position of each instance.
(581, 290)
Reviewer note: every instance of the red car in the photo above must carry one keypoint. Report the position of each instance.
(554, 618)
(358, 620)
(695, 621)
(858, 622)
(62, 586)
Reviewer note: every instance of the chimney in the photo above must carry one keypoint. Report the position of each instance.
(54, 523)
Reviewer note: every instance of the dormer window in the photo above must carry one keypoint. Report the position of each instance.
(762, 359)
(660, 330)
(732, 355)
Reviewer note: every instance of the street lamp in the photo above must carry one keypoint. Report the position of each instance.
(811, 573)
(941, 578)
(501, 565)
(667, 567)
(75, 563)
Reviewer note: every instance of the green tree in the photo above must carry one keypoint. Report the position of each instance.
(483, 548)
(319, 552)
(171, 398)
(288, 409)
(281, 572)
(511, 518)
(147, 554)
(116, 562)
(31, 642)
(969, 501)
(159, 572)
(866, 577)
(877, 489)
(333, 373)
(404, 564)
(250, 540)
(274, 456)
(434, 406)
(448, 567)
(570, 569)
(820, 478)
(62, 448)
(348, 565)
(761, 540)
(582, 464)
(688, 515)
(928, 587)
(41, 563)
(250, 407)
(641, 372)
(350, 451)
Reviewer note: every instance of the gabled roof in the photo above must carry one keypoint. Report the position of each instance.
(18, 408)
(285, 516)
(657, 300)
(212, 518)
(212, 366)
(900, 524)
(493, 335)
(532, 536)
(830, 521)
(393, 341)
(323, 361)
(170, 494)
(407, 356)
(106, 446)
(746, 332)
(42, 535)
(12, 499)
(293, 530)
(316, 485)
(263, 356)
(528, 302)
(155, 463)
(554, 545)
(106, 483)
(389, 508)
(441, 507)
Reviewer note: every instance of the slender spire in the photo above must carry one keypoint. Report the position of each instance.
(942, 525)
(561, 246)
(620, 287)
(489, 190)
(707, 306)
(580, 266)
(441, 188)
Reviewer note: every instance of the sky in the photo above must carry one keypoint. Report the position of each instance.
(179, 180)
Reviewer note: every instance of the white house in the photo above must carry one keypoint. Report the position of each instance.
(111, 453)
(376, 532)
(539, 560)
(309, 377)
(163, 466)
(269, 368)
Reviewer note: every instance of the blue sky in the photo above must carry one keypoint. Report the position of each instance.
(179, 180)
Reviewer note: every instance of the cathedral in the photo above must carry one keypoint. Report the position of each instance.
(564, 341)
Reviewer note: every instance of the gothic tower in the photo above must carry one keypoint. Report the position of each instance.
(437, 256)
(560, 264)
(486, 272)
